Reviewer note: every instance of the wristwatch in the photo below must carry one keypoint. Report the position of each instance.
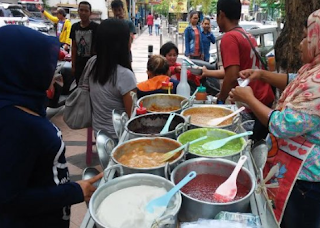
(220, 101)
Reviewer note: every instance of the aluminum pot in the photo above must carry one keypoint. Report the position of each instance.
(151, 144)
(150, 125)
(193, 209)
(168, 220)
(211, 109)
(162, 102)
(219, 133)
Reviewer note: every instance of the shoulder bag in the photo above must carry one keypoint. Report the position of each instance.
(78, 110)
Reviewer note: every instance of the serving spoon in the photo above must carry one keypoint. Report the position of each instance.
(217, 121)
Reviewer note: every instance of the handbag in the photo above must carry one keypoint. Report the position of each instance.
(78, 111)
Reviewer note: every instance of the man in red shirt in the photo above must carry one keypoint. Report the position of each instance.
(238, 55)
(150, 23)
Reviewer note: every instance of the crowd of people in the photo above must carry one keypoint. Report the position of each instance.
(37, 190)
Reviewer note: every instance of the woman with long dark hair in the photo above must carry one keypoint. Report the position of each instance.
(192, 34)
(111, 79)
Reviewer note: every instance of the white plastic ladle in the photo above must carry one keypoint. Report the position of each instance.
(217, 121)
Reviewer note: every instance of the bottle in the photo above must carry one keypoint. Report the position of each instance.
(202, 93)
(141, 110)
(183, 87)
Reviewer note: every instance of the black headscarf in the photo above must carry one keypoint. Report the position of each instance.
(27, 63)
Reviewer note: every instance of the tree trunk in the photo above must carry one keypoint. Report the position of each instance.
(287, 45)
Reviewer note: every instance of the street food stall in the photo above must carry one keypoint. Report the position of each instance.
(186, 126)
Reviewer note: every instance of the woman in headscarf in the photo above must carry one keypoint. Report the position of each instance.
(35, 187)
(294, 140)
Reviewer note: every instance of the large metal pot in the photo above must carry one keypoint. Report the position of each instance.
(158, 144)
(162, 102)
(210, 110)
(219, 133)
(168, 220)
(193, 209)
(150, 125)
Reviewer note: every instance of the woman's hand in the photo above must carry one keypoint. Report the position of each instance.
(177, 69)
(87, 186)
(252, 74)
(242, 94)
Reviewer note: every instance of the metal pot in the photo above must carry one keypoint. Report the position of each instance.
(158, 144)
(193, 209)
(221, 133)
(162, 102)
(168, 220)
(150, 125)
(211, 109)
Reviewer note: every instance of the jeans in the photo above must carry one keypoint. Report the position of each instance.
(157, 27)
(303, 208)
(150, 29)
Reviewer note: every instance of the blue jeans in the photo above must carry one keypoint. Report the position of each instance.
(303, 208)
(157, 27)
(150, 29)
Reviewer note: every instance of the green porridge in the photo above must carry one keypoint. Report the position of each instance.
(230, 148)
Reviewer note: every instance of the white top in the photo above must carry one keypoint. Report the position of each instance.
(157, 21)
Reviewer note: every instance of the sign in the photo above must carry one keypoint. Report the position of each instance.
(178, 6)
(155, 2)
(182, 25)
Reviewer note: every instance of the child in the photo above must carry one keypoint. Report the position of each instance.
(170, 51)
(158, 71)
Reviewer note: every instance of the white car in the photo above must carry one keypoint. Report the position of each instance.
(8, 18)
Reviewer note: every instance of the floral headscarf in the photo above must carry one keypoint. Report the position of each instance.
(303, 93)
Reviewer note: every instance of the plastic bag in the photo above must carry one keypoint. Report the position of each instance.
(248, 219)
(205, 223)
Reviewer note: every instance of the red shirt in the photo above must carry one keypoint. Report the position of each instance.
(149, 20)
(236, 50)
(196, 42)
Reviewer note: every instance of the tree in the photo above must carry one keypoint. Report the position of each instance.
(287, 45)
(162, 8)
(206, 5)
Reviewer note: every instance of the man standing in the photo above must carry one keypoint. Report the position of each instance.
(237, 54)
(118, 12)
(63, 25)
(83, 36)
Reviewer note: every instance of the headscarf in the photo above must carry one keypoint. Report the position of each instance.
(303, 93)
(27, 63)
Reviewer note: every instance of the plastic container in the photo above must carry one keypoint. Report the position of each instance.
(141, 110)
(167, 85)
(183, 88)
(202, 93)
(271, 63)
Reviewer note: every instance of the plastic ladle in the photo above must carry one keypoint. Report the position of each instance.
(228, 189)
(165, 128)
(164, 200)
(221, 142)
(217, 121)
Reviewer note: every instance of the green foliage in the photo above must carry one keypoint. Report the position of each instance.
(162, 8)
(206, 5)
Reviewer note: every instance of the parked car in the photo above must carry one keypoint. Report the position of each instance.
(249, 25)
(8, 16)
(34, 22)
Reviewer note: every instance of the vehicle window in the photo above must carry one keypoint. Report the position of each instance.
(268, 39)
(1, 13)
(26, 12)
(16, 13)
(32, 7)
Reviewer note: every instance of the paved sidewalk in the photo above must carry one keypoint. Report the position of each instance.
(139, 51)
